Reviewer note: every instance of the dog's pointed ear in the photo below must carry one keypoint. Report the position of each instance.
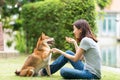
(42, 35)
(40, 38)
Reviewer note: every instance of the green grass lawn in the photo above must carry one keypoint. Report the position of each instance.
(9, 65)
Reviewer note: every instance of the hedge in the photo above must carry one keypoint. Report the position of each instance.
(55, 19)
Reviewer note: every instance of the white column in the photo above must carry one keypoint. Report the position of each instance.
(118, 26)
(118, 55)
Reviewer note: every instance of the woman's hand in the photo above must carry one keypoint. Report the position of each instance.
(55, 50)
(70, 40)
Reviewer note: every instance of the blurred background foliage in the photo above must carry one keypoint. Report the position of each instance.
(54, 17)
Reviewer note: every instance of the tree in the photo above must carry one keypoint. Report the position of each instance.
(9, 8)
(103, 3)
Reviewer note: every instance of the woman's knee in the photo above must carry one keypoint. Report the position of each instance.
(70, 52)
(63, 72)
(67, 73)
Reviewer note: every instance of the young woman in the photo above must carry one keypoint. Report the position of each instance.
(91, 67)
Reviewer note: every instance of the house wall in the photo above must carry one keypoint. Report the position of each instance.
(109, 33)
(112, 9)
(108, 28)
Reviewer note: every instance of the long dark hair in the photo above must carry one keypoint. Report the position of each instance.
(86, 31)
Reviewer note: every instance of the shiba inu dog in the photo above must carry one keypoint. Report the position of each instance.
(40, 58)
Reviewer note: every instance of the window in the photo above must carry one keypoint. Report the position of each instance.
(109, 25)
(109, 56)
(104, 25)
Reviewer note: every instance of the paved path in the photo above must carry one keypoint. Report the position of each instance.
(117, 70)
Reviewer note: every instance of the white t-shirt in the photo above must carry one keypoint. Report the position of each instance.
(92, 56)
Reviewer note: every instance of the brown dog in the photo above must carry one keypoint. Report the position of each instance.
(40, 58)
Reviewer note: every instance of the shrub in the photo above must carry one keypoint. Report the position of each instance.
(20, 41)
(55, 18)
